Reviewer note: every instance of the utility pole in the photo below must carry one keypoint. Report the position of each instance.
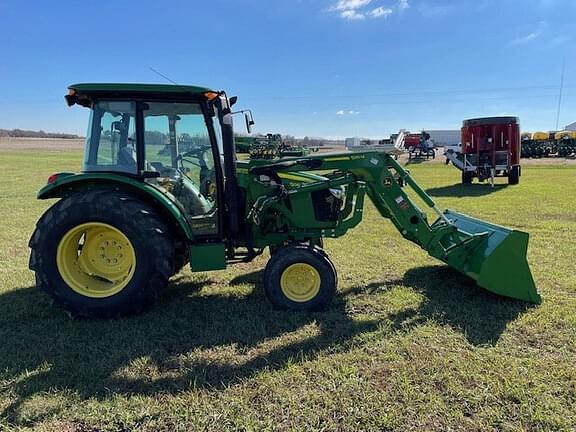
(560, 95)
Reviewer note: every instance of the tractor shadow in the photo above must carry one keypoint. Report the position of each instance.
(197, 339)
(460, 190)
(191, 339)
(454, 300)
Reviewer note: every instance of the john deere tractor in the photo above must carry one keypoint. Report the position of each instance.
(160, 187)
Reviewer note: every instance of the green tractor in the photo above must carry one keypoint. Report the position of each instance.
(144, 206)
(271, 146)
(244, 143)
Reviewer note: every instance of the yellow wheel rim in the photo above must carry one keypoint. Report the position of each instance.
(96, 260)
(300, 282)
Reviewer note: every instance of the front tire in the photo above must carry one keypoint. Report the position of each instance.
(102, 254)
(300, 278)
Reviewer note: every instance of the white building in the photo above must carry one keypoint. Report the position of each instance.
(571, 127)
(352, 142)
(442, 138)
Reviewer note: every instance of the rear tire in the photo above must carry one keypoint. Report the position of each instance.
(73, 273)
(514, 175)
(300, 278)
(182, 258)
(467, 177)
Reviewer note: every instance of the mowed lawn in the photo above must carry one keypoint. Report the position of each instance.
(408, 344)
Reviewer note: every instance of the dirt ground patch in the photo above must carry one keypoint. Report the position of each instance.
(58, 144)
(46, 144)
(531, 161)
(440, 159)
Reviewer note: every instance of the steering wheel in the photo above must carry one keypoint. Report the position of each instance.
(190, 161)
(197, 152)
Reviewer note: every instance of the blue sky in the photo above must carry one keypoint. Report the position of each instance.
(332, 68)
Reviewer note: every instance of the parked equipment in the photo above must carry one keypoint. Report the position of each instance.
(136, 214)
(565, 143)
(549, 144)
(419, 146)
(271, 146)
(490, 148)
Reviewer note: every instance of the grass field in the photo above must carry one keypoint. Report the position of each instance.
(408, 344)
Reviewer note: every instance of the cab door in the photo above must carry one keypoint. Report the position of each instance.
(178, 145)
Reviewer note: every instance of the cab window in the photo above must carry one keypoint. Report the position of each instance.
(111, 138)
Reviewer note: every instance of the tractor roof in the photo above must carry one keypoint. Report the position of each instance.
(83, 94)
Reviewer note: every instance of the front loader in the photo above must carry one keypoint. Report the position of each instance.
(161, 187)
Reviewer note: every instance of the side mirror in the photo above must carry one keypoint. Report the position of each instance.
(233, 100)
(249, 122)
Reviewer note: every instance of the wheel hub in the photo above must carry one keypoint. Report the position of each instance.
(300, 282)
(96, 259)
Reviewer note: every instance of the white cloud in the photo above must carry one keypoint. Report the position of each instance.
(349, 112)
(380, 12)
(360, 10)
(352, 15)
(349, 5)
(525, 39)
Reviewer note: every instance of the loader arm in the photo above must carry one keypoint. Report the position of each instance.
(492, 255)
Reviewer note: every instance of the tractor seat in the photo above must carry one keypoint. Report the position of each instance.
(189, 195)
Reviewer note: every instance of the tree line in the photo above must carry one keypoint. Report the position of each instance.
(20, 133)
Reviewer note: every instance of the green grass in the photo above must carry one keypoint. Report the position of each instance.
(407, 345)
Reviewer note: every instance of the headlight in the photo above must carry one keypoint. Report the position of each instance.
(337, 193)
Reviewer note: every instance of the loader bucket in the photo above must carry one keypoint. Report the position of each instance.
(497, 260)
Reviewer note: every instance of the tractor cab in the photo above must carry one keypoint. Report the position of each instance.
(167, 136)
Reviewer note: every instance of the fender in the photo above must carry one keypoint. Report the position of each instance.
(61, 184)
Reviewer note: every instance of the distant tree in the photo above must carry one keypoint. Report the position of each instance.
(20, 133)
(155, 138)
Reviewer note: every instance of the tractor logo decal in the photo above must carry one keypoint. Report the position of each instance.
(402, 203)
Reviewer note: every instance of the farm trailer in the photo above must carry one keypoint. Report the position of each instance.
(489, 148)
